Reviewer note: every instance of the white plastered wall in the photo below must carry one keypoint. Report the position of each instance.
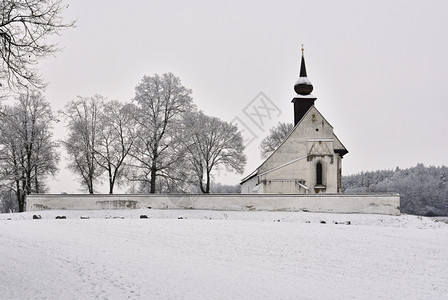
(336, 203)
(289, 164)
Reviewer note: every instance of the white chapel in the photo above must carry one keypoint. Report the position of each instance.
(309, 160)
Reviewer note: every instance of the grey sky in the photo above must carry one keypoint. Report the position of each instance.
(379, 68)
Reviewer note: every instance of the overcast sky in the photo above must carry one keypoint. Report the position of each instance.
(379, 68)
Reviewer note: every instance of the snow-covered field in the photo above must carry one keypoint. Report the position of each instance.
(221, 255)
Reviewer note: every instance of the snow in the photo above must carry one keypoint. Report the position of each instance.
(310, 96)
(303, 80)
(221, 255)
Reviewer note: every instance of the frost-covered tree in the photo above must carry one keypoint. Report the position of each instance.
(28, 153)
(83, 124)
(25, 26)
(423, 190)
(211, 143)
(276, 136)
(218, 188)
(161, 101)
(115, 139)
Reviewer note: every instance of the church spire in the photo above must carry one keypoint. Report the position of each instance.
(303, 86)
(302, 65)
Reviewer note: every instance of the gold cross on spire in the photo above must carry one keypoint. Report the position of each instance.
(302, 49)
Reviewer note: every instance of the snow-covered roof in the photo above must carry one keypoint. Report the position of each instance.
(251, 175)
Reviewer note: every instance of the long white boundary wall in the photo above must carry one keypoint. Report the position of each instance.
(388, 204)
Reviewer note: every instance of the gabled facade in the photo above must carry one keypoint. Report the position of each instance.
(309, 160)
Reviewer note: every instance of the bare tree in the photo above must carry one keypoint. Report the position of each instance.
(276, 136)
(25, 26)
(211, 143)
(28, 153)
(82, 116)
(161, 101)
(116, 136)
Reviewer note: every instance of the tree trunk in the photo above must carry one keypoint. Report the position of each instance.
(201, 185)
(20, 194)
(90, 179)
(153, 179)
(155, 155)
(207, 187)
(36, 181)
(21, 206)
(111, 181)
(20, 199)
(90, 185)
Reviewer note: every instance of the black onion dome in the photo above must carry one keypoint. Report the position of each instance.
(303, 85)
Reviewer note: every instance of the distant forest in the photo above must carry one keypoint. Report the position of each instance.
(423, 190)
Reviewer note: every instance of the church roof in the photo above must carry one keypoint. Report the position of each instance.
(338, 146)
(250, 176)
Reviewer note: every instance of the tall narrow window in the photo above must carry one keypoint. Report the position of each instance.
(318, 173)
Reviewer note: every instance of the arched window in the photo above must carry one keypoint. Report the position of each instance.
(318, 173)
